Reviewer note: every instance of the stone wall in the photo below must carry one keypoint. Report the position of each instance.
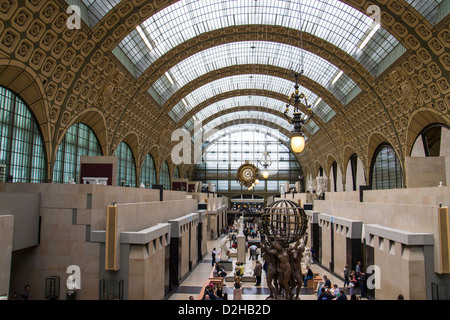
(402, 228)
(72, 232)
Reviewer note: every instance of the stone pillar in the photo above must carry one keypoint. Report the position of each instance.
(6, 242)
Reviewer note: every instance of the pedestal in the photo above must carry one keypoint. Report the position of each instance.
(241, 249)
(227, 264)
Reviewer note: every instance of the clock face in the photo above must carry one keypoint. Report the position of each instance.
(247, 173)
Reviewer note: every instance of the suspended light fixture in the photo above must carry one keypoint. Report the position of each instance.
(298, 136)
(265, 162)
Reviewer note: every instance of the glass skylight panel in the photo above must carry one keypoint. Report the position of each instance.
(259, 53)
(336, 22)
(269, 133)
(98, 9)
(427, 8)
(245, 81)
(240, 101)
(238, 116)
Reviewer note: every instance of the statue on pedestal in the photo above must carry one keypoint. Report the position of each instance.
(284, 225)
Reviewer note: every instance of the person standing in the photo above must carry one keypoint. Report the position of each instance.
(362, 284)
(257, 271)
(26, 294)
(346, 276)
(213, 255)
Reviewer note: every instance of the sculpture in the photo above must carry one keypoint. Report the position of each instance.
(321, 185)
(307, 257)
(284, 225)
(223, 248)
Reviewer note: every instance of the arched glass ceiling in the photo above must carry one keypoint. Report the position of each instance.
(331, 20)
(256, 115)
(245, 81)
(427, 8)
(240, 101)
(209, 128)
(251, 53)
(275, 134)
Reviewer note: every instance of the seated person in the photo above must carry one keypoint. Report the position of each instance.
(325, 295)
(309, 275)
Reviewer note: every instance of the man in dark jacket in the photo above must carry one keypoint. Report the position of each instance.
(257, 271)
(324, 295)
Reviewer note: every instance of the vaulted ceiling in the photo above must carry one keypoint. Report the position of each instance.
(137, 70)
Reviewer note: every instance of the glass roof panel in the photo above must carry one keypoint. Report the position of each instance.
(209, 128)
(251, 53)
(332, 20)
(245, 81)
(231, 130)
(98, 9)
(427, 8)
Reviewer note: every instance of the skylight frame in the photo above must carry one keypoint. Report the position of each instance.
(245, 81)
(331, 20)
(255, 53)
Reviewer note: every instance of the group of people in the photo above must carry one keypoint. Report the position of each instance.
(214, 292)
(250, 230)
(355, 279)
(328, 292)
(24, 295)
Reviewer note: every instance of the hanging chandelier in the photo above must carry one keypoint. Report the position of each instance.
(295, 99)
(265, 163)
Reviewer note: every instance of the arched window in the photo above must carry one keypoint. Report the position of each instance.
(320, 172)
(386, 171)
(148, 172)
(354, 170)
(79, 141)
(433, 141)
(22, 156)
(164, 176)
(229, 149)
(334, 172)
(126, 171)
(176, 173)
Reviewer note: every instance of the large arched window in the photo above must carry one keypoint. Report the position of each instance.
(433, 141)
(79, 141)
(148, 172)
(176, 173)
(22, 156)
(334, 176)
(230, 148)
(386, 171)
(164, 176)
(355, 176)
(126, 171)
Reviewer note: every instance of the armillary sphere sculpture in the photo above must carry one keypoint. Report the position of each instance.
(284, 226)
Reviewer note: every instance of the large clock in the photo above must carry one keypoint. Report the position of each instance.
(247, 174)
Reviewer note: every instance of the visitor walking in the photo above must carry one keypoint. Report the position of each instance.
(257, 271)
